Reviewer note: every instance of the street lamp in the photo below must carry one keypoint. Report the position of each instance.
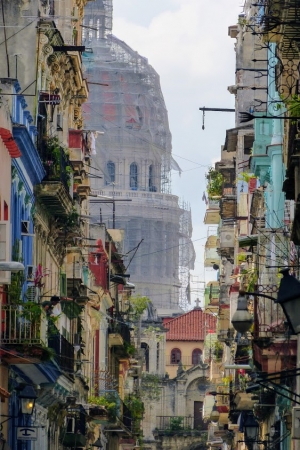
(27, 399)
(242, 319)
(289, 299)
(215, 415)
(250, 429)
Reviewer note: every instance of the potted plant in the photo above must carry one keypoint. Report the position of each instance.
(218, 350)
(103, 408)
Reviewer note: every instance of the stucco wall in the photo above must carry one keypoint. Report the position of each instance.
(186, 348)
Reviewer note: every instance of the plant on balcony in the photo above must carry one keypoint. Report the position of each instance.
(40, 352)
(39, 276)
(293, 106)
(246, 176)
(135, 406)
(129, 348)
(176, 423)
(218, 350)
(107, 401)
(14, 289)
(54, 154)
(215, 183)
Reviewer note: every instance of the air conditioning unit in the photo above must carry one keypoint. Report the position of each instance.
(227, 238)
(32, 294)
(5, 276)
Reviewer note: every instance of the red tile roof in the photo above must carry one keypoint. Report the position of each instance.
(192, 326)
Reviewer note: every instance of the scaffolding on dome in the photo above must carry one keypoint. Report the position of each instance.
(134, 159)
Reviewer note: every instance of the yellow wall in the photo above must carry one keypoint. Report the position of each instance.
(186, 348)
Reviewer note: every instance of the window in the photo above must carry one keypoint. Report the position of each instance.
(175, 356)
(196, 356)
(145, 348)
(111, 169)
(133, 176)
(150, 177)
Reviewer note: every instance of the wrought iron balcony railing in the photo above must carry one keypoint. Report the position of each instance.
(64, 352)
(174, 423)
(21, 325)
(118, 326)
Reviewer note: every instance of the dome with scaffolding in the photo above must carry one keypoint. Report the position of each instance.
(132, 161)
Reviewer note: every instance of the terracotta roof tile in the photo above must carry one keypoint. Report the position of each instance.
(192, 326)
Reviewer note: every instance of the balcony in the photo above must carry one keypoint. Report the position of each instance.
(76, 150)
(64, 350)
(270, 334)
(174, 424)
(211, 255)
(53, 192)
(74, 440)
(212, 213)
(23, 333)
(74, 272)
(119, 333)
(83, 189)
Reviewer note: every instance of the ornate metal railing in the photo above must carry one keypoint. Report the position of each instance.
(174, 423)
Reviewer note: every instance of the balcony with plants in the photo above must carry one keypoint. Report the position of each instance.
(214, 191)
(24, 325)
(54, 191)
(175, 426)
(104, 406)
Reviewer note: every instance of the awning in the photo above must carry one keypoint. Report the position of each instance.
(247, 241)
(10, 143)
(117, 279)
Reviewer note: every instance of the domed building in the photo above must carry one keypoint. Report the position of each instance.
(132, 163)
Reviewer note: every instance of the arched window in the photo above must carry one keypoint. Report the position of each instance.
(151, 176)
(196, 356)
(145, 348)
(111, 169)
(175, 356)
(133, 176)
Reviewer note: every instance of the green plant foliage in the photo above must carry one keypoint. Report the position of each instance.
(245, 176)
(138, 305)
(152, 331)
(129, 348)
(108, 401)
(215, 183)
(150, 386)
(293, 106)
(218, 349)
(135, 406)
(176, 423)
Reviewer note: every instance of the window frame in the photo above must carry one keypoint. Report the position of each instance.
(174, 353)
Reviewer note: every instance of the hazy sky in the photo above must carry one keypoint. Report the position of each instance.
(187, 43)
